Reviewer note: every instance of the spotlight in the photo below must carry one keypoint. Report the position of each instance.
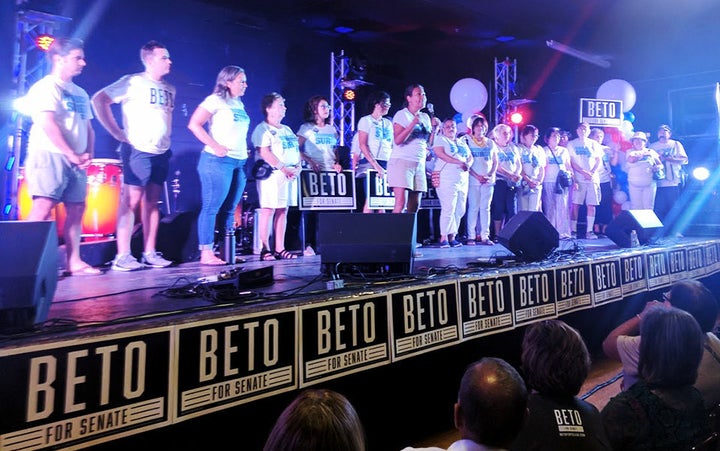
(701, 173)
(516, 118)
(348, 94)
(43, 41)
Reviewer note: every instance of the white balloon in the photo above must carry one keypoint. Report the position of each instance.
(468, 95)
(627, 128)
(620, 197)
(617, 89)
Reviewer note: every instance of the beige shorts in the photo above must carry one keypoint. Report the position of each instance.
(586, 193)
(52, 175)
(406, 174)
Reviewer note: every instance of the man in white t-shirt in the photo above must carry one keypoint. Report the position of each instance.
(60, 147)
(673, 155)
(147, 102)
(586, 159)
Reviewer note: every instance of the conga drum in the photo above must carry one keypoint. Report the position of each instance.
(103, 197)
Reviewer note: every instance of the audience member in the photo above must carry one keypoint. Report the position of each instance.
(556, 362)
(554, 196)
(532, 159)
(586, 159)
(491, 407)
(642, 164)
(317, 420)
(662, 411)
(454, 161)
(482, 181)
(504, 201)
(623, 343)
(673, 155)
(278, 146)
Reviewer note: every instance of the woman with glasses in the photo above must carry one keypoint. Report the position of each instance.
(453, 161)
(318, 140)
(555, 198)
(374, 143)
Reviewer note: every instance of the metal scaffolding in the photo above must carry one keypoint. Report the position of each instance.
(29, 66)
(343, 110)
(505, 78)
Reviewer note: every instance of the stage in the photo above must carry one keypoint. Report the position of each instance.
(194, 355)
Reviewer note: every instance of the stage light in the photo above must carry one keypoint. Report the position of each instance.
(701, 173)
(348, 94)
(517, 118)
(43, 41)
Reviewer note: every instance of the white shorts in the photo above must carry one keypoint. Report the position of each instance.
(277, 191)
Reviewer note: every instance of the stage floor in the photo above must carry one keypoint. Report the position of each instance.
(123, 297)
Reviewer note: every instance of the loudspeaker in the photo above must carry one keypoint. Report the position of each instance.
(28, 273)
(529, 235)
(644, 222)
(352, 242)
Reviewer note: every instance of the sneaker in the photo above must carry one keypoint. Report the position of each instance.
(126, 262)
(309, 251)
(591, 236)
(444, 244)
(155, 260)
(455, 243)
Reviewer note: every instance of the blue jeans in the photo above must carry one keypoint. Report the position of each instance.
(222, 181)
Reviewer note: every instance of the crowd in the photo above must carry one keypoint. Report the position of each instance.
(482, 177)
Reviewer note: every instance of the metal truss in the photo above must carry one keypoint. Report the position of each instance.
(505, 78)
(343, 110)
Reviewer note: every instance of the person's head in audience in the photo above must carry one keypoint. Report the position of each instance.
(671, 347)
(492, 403)
(317, 420)
(695, 298)
(554, 359)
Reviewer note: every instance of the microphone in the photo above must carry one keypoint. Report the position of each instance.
(430, 109)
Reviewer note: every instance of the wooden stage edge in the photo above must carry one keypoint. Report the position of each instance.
(151, 351)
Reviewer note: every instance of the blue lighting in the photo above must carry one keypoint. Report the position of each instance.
(344, 30)
(505, 38)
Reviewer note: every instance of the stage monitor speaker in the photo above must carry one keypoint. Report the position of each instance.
(529, 235)
(644, 222)
(28, 273)
(358, 242)
(177, 237)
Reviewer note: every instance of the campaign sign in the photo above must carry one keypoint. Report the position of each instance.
(343, 337)
(230, 361)
(430, 199)
(485, 305)
(327, 190)
(632, 274)
(658, 269)
(606, 281)
(424, 319)
(573, 288)
(86, 390)
(606, 113)
(533, 296)
(380, 196)
(696, 261)
(711, 259)
(677, 264)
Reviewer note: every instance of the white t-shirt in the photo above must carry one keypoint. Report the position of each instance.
(673, 149)
(483, 156)
(415, 146)
(453, 148)
(320, 143)
(557, 159)
(532, 160)
(147, 107)
(380, 136)
(228, 125)
(71, 107)
(585, 153)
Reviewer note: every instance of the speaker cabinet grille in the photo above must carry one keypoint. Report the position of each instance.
(530, 236)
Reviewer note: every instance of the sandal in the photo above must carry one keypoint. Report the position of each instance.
(284, 255)
(266, 255)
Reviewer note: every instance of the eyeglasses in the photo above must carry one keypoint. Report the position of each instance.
(324, 106)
